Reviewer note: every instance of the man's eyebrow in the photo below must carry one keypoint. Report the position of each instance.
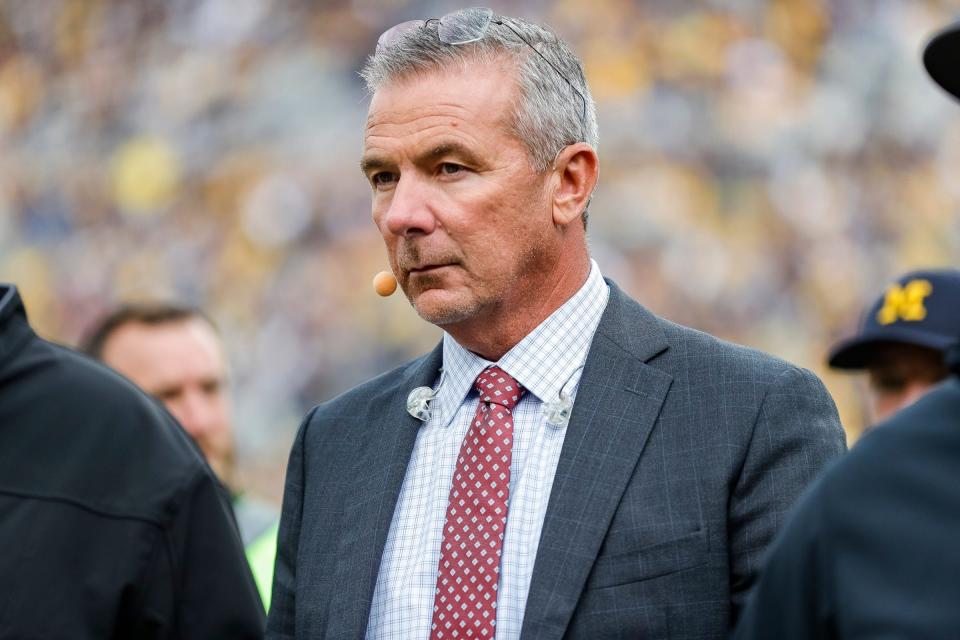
(372, 163)
(450, 149)
(368, 164)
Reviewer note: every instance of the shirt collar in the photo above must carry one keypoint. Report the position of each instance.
(542, 362)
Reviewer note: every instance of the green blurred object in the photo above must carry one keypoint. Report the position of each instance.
(261, 554)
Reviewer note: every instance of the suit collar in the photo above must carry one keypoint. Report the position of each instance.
(632, 327)
(618, 402)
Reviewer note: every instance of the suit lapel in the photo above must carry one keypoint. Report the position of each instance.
(380, 468)
(617, 404)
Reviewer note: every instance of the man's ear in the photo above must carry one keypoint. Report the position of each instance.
(576, 170)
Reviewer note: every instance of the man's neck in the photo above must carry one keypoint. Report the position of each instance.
(496, 332)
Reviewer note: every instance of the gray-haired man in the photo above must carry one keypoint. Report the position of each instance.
(580, 468)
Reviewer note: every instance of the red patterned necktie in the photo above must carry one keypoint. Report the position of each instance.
(465, 604)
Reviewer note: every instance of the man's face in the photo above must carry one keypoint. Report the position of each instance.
(466, 220)
(181, 363)
(898, 375)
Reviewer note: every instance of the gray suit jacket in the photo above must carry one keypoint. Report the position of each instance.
(681, 457)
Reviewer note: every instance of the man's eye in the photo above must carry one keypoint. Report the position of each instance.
(167, 395)
(210, 387)
(383, 178)
(450, 169)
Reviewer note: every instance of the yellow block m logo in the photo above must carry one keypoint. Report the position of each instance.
(905, 303)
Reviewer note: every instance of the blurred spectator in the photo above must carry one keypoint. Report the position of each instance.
(112, 525)
(903, 338)
(175, 354)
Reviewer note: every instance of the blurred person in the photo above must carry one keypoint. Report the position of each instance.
(617, 474)
(112, 526)
(175, 354)
(902, 340)
(871, 549)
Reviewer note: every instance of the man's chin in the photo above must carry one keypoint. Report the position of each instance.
(441, 308)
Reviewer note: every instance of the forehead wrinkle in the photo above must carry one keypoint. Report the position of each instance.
(452, 138)
(431, 138)
(451, 115)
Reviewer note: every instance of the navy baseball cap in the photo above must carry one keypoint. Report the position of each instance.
(941, 57)
(921, 308)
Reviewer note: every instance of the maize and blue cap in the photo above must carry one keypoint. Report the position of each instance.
(922, 308)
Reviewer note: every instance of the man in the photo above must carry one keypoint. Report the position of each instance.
(871, 550)
(112, 527)
(580, 468)
(902, 340)
(175, 354)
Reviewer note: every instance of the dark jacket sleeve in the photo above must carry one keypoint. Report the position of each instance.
(282, 618)
(198, 582)
(793, 596)
(796, 435)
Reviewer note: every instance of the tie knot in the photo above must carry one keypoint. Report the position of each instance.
(497, 386)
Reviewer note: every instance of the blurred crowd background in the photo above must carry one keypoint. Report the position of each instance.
(766, 167)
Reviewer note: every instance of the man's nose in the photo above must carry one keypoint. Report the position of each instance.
(410, 209)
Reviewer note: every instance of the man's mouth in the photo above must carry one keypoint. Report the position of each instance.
(429, 268)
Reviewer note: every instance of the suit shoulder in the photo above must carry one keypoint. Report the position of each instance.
(709, 353)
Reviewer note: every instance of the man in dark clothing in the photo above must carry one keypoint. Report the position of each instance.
(871, 550)
(111, 524)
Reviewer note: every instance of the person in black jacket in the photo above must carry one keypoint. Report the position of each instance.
(871, 550)
(111, 523)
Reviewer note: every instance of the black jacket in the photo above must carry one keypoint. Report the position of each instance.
(111, 524)
(873, 550)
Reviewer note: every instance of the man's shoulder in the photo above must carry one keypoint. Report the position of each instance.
(915, 442)
(918, 448)
(110, 401)
(693, 352)
(116, 449)
(711, 352)
(936, 412)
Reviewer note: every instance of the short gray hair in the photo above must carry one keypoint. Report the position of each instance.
(548, 115)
